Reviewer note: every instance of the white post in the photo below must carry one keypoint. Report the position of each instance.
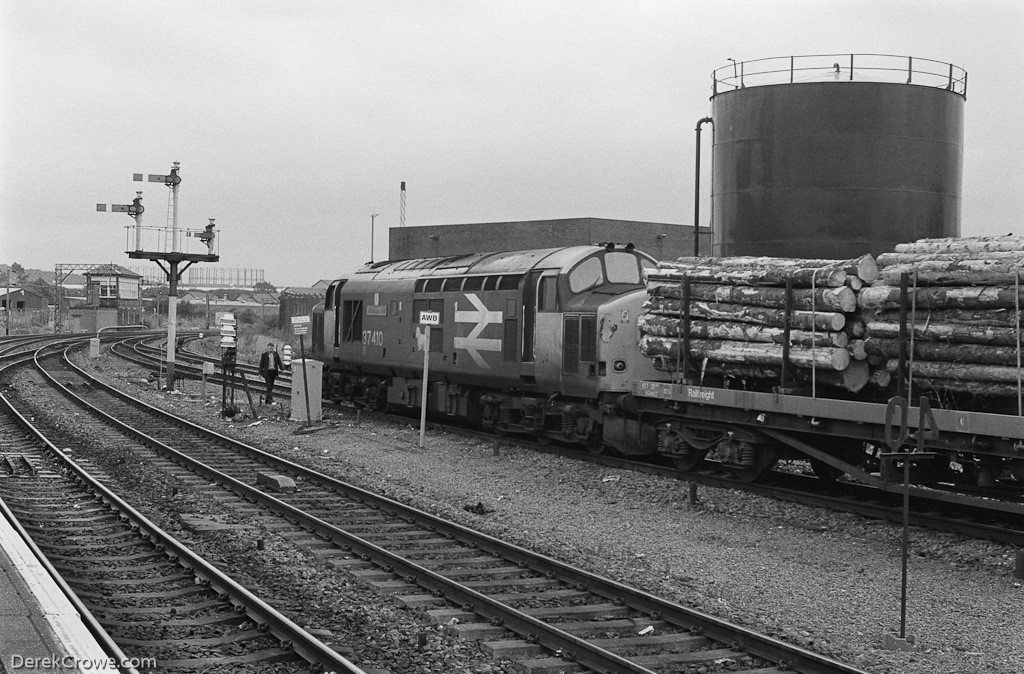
(423, 395)
(138, 228)
(174, 218)
(172, 322)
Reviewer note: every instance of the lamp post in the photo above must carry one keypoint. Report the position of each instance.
(372, 218)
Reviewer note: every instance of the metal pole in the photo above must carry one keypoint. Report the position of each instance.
(1016, 304)
(906, 543)
(172, 321)
(423, 395)
(7, 305)
(138, 228)
(305, 379)
(174, 214)
(696, 193)
(901, 388)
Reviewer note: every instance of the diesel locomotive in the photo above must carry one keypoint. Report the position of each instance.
(539, 342)
(544, 343)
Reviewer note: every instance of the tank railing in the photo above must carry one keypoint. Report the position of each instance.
(844, 67)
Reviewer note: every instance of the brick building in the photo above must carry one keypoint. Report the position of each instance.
(660, 240)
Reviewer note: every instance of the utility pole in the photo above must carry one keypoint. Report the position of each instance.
(7, 304)
(372, 218)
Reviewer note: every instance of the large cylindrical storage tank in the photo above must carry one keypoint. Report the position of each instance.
(832, 161)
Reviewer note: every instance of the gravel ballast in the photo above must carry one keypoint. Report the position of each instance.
(827, 581)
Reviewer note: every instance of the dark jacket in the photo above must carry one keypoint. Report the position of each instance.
(266, 365)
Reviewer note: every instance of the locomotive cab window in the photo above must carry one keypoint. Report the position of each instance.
(622, 268)
(587, 274)
(434, 285)
(474, 283)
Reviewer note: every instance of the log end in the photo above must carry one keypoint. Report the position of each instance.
(856, 376)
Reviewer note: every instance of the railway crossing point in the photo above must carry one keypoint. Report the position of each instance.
(427, 319)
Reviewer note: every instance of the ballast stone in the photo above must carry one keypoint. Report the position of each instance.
(275, 482)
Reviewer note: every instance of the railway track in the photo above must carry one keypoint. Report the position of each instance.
(970, 513)
(549, 615)
(985, 518)
(189, 365)
(158, 601)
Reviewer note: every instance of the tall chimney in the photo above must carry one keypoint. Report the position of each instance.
(401, 216)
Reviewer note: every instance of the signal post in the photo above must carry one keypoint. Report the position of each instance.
(164, 251)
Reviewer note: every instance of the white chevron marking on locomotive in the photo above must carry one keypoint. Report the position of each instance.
(473, 342)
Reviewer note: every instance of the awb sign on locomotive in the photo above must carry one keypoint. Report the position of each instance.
(430, 318)
(300, 325)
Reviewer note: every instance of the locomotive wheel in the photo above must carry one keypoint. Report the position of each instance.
(596, 447)
(690, 460)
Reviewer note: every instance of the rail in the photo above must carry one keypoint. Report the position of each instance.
(840, 67)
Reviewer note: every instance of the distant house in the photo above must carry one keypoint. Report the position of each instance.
(21, 298)
(323, 283)
(295, 301)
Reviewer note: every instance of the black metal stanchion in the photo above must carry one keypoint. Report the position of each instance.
(305, 379)
(248, 395)
(926, 430)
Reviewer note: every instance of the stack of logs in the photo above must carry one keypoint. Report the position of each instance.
(737, 319)
(963, 314)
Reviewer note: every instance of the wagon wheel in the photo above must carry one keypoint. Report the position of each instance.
(765, 460)
(690, 460)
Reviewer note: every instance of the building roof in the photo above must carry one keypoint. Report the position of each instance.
(299, 291)
(15, 291)
(112, 270)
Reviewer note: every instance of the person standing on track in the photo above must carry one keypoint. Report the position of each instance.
(270, 365)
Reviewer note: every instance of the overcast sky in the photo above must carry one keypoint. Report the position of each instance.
(295, 121)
